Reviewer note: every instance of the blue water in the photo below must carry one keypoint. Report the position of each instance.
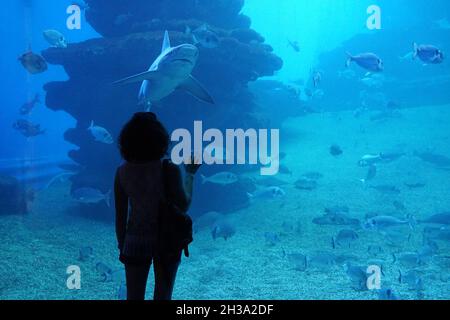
(398, 118)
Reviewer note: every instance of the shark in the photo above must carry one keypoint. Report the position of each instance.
(172, 70)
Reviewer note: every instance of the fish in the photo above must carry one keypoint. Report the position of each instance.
(415, 185)
(336, 150)
(298, 260)
(33, 63)
(170, 71)
(344, 238)
(104, 270)
(271, 238)
(438, 160)
(336, 220)
(316, 78)
(428, 53)
(371, 173)
(221, 178)
(206, 220)
(358, 276)
(284, 170)
(100, 134)
(410, 259)
(294, 45)
(223, 229)
(386, 189)
(28, 128)
(305, 183)
(369, 159)
(204, 36)
(27, 107)
(440, 234)
(383, 222)
(387, 294)
(368, 61)
(108, 274)
(442, 218)
(412, 279)
(85, 253)
(322, 261)
(55, 38)
(267, 193)
(90, 196)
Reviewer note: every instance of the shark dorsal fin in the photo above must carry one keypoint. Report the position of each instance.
(166, 41)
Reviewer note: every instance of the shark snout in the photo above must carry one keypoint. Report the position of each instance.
(186, 52)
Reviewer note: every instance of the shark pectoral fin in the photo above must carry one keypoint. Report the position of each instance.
(194, 87)
(148, 75)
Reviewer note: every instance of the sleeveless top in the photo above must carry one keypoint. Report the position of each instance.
(142, 183)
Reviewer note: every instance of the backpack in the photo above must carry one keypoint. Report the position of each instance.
(174, 225)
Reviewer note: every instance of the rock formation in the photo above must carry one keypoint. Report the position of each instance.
(132, 35)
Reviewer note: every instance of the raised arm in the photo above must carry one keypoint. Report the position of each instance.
(121, 203)
(180, 190)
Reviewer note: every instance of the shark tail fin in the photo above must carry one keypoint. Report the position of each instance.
(349, 59)
(108, 198)
(415, 50)
(91, 125)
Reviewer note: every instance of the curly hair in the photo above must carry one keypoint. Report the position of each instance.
(143, 139)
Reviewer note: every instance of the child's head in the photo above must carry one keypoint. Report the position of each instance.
(143, 139)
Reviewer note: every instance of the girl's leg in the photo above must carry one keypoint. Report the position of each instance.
(137, 275)
(165, 273)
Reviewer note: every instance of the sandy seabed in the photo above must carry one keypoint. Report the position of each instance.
(36, 249)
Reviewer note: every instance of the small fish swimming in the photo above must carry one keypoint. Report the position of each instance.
(28, 128)
(438, 160)
(206, 220)
(369, 159)
(85, 253)
(298, 260)
(223, 229)
(313, 175)
(358, 276)
(221, 178)
(294, 45)
(267, 193)
(204, 36)
(271, 238)
(344, 238)
(380, 223)
(368, 61)
(387, 294)
(100, 134)
(305, 183)
(91, 196)
(27, 107)
(55, 38)
(336, 220)
(428, 53)
(336, 150)
(371, 173)
(33, 63)
(438, 218)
